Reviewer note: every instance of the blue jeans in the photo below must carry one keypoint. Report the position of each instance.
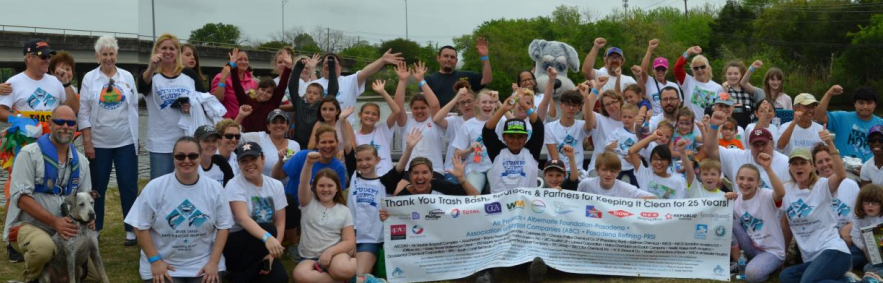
(858, 257)
(126, 162)
(760, 263)
(161, 164)
(829, 266)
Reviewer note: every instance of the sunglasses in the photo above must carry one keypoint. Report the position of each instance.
(232, 136)
(110, 86)
(875, 140)
(181, 156)
(697, 68)
(44, 56)
(63, 122)
(661, 69)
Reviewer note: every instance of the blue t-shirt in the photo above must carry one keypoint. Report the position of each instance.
(645, 103)
(296, 164)
(851, 133)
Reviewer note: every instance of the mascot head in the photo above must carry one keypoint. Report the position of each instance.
(558, 55)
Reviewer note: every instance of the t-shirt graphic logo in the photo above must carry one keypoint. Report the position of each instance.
(513, 169)
(628, 143)
(41, 99)
(375, 145)
(749, 223)
(186, 211)
(661, 191)
(111, 97)
(702, 98)
(798, 209)
(840, 208)
(858, 140)
(365, 194)
(262, 209)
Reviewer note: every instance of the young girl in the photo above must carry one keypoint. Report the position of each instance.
(772, 85)
(469, 143)
(367, 191)
(634, 94)
(327, 233)
(268, 95)
(728, 134)
(685, 131)
(331, 115)
(657, 179)
(465, 103)
(422, 107)
(757, 228)
(379, 136)
(870, 200)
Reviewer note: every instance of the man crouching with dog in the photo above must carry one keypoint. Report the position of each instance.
(47, 177)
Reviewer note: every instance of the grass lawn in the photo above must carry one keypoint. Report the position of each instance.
(122, 262)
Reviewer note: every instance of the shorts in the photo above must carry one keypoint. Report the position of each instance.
(304, 258)
(292, 213)
(373, 248)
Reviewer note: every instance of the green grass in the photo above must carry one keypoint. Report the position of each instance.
(122, 262)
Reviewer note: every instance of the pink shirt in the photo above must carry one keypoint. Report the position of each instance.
(230, 102)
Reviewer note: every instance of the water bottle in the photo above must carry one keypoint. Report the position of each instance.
(741, 263)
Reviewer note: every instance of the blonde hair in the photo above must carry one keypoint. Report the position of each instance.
(179, 65)
(702, 60)
(608, 160)
(290, 51)
(629, 107)
(483, 92)
(710, 164)
(225, 123)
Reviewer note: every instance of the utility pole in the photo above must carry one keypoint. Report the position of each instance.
(283, 18)
(328, 40)
(625, 5)
(686, 18)
(153, 17)
(406, 19)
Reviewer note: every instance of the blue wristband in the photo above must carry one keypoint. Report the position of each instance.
(529, 111)
(686, 56)
(483, 58)
(266, 237)
(222, 84)
(154, 259)
(714, 127)
(232, 64)
(751, 69)
(421, 83)
(595, 91)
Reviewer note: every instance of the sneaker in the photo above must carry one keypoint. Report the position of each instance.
(851, 277)
(872, 277)
(486, 276)
(538, 270)
(14, 256)
(130, 242)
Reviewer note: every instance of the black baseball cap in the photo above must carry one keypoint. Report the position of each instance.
(248, 149)
(38, 47)
(554, 164)
(205, 131)
(515, 126)
(276, 113)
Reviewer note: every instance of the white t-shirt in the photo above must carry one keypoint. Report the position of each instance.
(110, 128)
(262, 202)
(624, 140)
(364, 205)
(321, 227)
(604, 126)
(775, 131)
(271, 155)
(843, 204)
(652, 89)
(699, 95)
(802, 137)
(182, 221)
(233, 161)
(470, 133)
(430, 146)
(697, 190)
(349, 89)
(733, 158)
(759, 216)
(673, 187)
(624, 80)
(811, 219)
(620, 189)
(871, 173)
(30, 95)
(560, 135)
(301, 89)
(380, 139)
(511, 171)
(162, 131)
(454, 125)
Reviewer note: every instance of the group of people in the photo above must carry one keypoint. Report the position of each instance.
(228, 158)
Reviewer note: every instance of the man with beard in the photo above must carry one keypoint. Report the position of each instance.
(37, 209)
(442, 82)
(613, 62)
(670, 101)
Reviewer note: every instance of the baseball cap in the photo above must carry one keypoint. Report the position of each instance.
(878, 129)
(515, 126)
(725, 99)
(800, 152)
(612, 50)
(805, 99)
(554, 164)
(660, 62)
(759, 135)
(276, 113)
(248, 149)
(205, 131)
(38, 46)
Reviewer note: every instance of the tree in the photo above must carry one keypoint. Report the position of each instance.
(303, 40)
(274, 45)
(362, 52)
(410, 49)
(210, 34)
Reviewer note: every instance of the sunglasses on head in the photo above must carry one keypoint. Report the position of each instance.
(110, 86)
(232, 136)
(63, 122)
(697, 68)
(181, 156)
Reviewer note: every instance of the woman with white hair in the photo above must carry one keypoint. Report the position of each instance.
(109, 92)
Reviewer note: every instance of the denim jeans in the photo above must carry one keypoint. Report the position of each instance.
(161, 164)
(858, 257)
(830, 265)
(760, 263)
(125, 161)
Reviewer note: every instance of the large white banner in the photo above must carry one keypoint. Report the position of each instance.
(433, 237)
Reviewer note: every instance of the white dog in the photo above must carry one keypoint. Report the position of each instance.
(558, 55)
(71, 254)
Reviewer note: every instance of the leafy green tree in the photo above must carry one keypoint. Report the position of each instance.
(273, 45)
(211, 33)
(362, 52)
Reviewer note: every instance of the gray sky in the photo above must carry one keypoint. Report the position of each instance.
(373, 20)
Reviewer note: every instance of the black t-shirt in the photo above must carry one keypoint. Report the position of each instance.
(443, 84)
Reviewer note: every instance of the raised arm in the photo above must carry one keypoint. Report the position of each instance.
(680, 74)
(279, 91)
(147, 76)
(839, 169)
(410, 142)
(349, 136)
(822, 109)
(590, 99)
(305, 194)
(294, 84)
(589, 63)
(402, 72)
(711, 144)
(419, 72)
(571, 160)
(439, 117)
(486, 74)
(645, 63)
(785, 137)
(547, 105)
(379, 86)
(457, 171)
(387, 58)
(278, 172)
(687, 161)
(765, 161)
(746, 79)
(634, 157)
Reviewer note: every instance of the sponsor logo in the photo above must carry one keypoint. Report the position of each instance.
(398, 273)
(455, 213)
(434, 214)
(417, 229)
(470, 211)
(493, 208)
(415, 215)
(515, 204)
(591, 212)
(680, 216)
(649, 216)
(564, 208)
(718, 270)
(701, 232)
(620, 213)
(720, 231)
(538, 206)
(714, 216)
(398, 232)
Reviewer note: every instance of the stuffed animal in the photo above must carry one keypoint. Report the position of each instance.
(558, 55)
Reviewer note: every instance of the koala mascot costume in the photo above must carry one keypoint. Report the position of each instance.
(558, 55)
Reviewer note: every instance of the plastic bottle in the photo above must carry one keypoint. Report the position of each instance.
(741, 263)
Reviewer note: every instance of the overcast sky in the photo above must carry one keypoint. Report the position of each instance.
(374, 20)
